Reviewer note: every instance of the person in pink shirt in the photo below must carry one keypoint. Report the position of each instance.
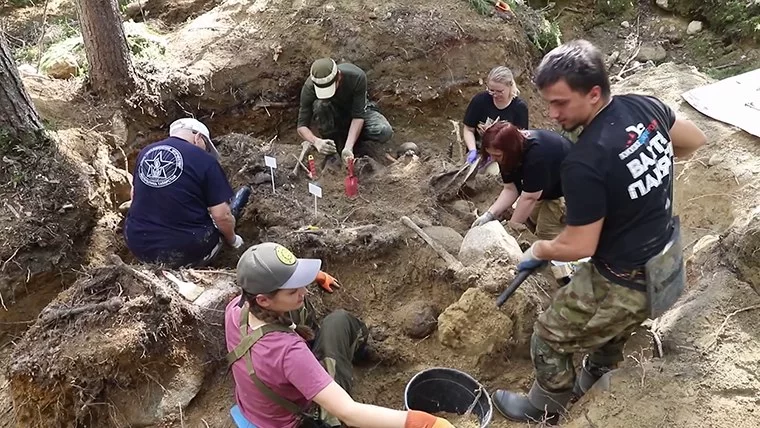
(282, 369)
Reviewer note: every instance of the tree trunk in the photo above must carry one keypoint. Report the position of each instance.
(18, 117)
(111, 70)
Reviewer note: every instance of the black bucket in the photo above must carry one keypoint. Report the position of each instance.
(440, 389)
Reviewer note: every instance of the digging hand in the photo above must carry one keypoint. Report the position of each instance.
(472, 155)
(529, 261)
(517, 226)
(237, 242)
(485, 218)
(327, 281)
(325, 147)
(347, 154)
(417, 419)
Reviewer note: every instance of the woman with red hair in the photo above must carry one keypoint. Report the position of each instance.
(529, 162)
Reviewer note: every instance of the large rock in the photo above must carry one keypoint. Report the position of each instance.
(649, 52)
(489, 241)
(449, 238)
(62, 67)
(474, 324)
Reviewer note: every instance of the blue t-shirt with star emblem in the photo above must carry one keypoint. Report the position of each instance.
(175, 183)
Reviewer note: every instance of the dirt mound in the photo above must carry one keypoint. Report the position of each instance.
(119, 345)
(245, 61)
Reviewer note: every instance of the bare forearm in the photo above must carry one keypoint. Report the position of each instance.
(469, 138)
(353, 132)
(505, 200)
(369, 416)
(305, 133)
(226, 225)
(524, 207)
(559, 249)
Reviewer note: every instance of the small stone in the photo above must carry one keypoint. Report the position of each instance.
(625, 24)
(694, 27)
(664, 4)
(420, 319)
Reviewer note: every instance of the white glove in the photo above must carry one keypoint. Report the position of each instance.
(485, 218)
(347, 154)
(325, 147)
(237, 243)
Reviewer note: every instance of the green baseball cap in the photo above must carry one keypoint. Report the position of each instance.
(268, 267)
(324, 74)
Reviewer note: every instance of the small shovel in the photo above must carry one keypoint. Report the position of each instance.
(351, 182)
(188, 290)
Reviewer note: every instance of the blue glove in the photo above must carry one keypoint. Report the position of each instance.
(471, 156)
(529, 261)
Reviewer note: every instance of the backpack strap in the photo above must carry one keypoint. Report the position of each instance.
(242, 351)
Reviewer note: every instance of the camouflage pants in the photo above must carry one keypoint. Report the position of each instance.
(549, 218)
(590, 314)
(331, 124)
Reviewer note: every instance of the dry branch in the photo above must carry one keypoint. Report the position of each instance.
(450, 260)
(112, 305)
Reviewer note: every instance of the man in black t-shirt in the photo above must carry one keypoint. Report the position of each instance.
(617, 182)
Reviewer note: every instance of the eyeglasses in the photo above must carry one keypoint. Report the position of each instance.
(493, 91)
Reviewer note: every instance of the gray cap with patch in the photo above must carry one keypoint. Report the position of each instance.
(268, 267)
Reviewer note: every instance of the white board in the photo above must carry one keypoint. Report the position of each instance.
(315, 190)
(735, 100)
(270, 161)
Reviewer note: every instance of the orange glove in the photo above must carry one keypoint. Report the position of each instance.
(327, 281)
(417, 419)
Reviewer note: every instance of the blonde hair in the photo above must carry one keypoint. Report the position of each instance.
(504, 76)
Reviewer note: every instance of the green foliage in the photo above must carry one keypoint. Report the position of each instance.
(613, 8)
(483, 7)
(543, 33)
(736, 19)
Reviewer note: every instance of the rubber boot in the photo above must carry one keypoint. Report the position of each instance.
(239, 201)
(539, 405)
(587, 377)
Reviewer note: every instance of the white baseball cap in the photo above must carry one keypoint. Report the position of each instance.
(197, 127)
(324, 74)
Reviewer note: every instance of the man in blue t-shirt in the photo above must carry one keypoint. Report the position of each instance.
(180, 212)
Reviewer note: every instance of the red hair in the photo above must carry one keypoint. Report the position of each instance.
(505, 137)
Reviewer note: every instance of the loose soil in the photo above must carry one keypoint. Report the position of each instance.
(119, 348)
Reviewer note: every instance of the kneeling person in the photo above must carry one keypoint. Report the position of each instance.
(180, 209)
(529, 162)
(280, 366)
(334, 98)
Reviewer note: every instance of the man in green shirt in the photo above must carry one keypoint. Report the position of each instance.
(334, 98)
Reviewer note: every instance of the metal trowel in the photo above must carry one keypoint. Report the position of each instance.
(188, 290)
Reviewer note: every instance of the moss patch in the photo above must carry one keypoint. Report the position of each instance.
(737, 19)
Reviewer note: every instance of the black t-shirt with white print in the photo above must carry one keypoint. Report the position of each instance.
(482, 111)
(540, 166)
(620, 169)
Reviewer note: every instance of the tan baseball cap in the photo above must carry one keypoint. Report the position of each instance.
(268, 267)
(324, 74)
(196, 127)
